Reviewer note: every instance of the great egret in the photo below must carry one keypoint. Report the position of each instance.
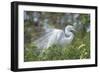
(56, 36)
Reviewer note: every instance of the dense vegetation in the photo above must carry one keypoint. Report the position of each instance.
(33, 29)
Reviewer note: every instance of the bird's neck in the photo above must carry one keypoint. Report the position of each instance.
(69, 35)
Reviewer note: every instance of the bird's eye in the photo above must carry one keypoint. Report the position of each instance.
(71, 30)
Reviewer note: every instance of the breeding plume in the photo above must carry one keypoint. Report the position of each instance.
(56, 36)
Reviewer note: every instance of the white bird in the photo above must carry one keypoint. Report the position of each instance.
(57, 37)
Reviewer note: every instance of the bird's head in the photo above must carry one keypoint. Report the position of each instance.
(70, 28)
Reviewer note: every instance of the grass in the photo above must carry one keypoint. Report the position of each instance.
(78, 49)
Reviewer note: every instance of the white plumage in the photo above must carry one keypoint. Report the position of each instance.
(56, 36)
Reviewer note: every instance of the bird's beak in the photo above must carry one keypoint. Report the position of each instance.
(73, 29)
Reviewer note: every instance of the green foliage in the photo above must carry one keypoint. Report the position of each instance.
(85, 19)
(30, 53)
(79, 49)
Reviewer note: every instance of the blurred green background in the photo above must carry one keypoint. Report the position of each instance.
(33, 29)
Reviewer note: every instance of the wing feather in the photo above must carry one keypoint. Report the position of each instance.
(43, 41)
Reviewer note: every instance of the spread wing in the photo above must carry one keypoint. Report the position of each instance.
(42, 42)
(54, 36)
